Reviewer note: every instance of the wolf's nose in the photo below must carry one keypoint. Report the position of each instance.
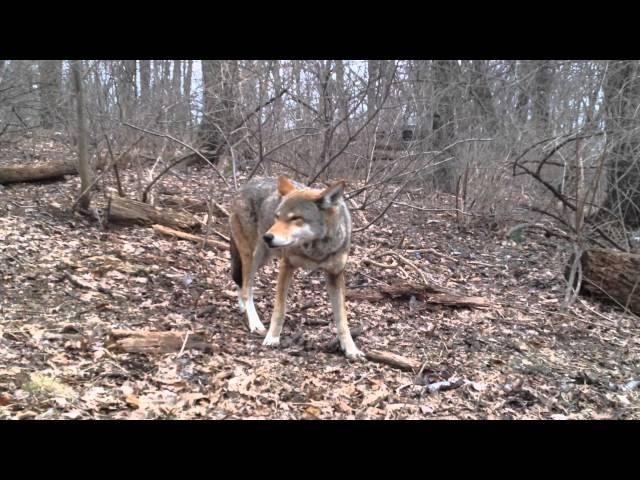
(268, 237)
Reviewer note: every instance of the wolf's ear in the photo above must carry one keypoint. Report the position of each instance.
(285, 186)
(331, 196)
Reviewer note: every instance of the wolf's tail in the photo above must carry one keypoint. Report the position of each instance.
(236, 263)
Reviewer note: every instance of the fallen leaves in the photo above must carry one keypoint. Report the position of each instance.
(189, 355)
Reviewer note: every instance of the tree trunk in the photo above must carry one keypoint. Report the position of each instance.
(50, 90)
(126, 88)
(622, 100)
(522, 104)
(83, 158)
(145, 81)
(342, 96)
(178, 116)
(422, 90)
(3, 66)
(543, 81)
(214, 106)
(373, 68)
(444, 124)
(610, 274)
(482, 95)
(186, 85)
(301, 112)
(278, 105)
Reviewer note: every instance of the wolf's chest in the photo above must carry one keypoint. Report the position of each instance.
(332, 263)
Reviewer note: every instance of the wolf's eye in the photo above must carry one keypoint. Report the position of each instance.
(297, 219)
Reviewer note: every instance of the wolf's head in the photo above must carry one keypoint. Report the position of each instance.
(303, 214)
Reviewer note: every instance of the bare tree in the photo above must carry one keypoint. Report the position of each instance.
(481, 93)
(543, 80)
(622, 98)
(83, 156)
(444, 121)
(145, 81)
(219, 112)
(50, 90)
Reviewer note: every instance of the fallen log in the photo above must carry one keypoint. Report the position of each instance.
(139, 341)
(190, 204)
(392, 359)
(187, 236)
(611, 275)
(425, 293)
(126, 210)
(34, 172)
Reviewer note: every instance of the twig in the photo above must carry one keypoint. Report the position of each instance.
(422, 209)
(184, 343)
(392, 359)
(187, 236)
(368, 261)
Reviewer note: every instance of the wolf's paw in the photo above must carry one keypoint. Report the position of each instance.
(257, 327)
(271, 341)
(354, 354)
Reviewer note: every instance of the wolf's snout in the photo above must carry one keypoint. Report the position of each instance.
(268, 238)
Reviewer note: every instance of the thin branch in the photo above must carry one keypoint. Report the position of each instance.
(357, 132)
(164, 135)
(395, 195)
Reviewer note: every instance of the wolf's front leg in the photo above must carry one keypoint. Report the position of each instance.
(336, 287)
(249, 270)
(285, 275)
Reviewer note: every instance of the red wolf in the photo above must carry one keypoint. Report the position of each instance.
(307, 228)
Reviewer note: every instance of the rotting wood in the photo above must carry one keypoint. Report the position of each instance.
(612, 275)
(127, 210)
(140, 341)
(36, 172)
(189, 204)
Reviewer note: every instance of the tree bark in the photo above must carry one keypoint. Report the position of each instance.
(444, 123)
(522, 103)
(50, 91)
(186, 86)
(622, 100)
(127, 210)
(482, 95)
(141, 341)
(610, 274)
(543, 81)
(36, 172)
(145, 81)
(84, 168)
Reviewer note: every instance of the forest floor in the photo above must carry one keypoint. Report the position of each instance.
(68, 285)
